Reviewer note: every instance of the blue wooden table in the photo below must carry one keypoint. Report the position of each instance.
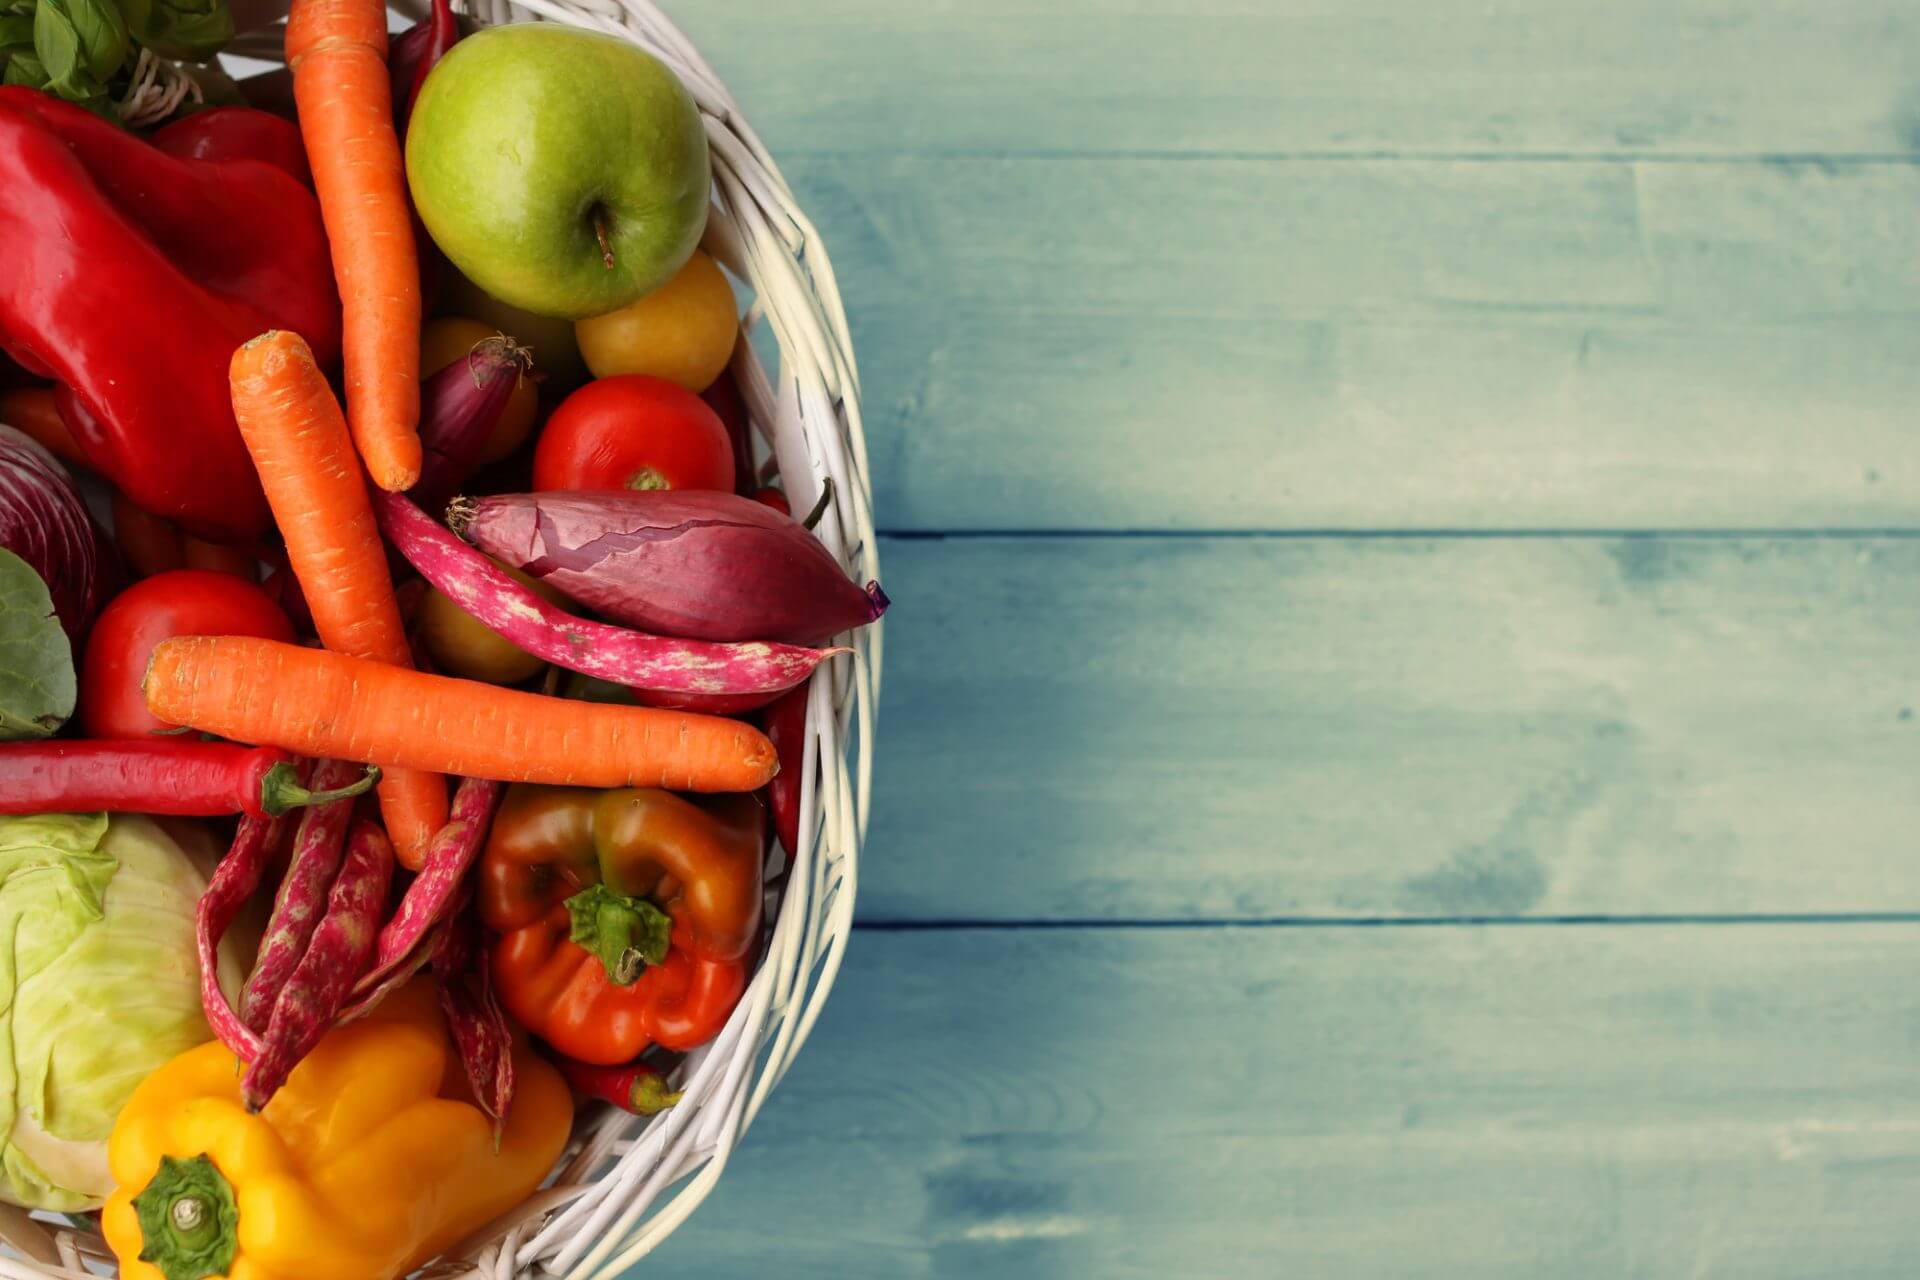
(1400, 745)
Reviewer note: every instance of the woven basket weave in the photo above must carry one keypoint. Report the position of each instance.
(626, 1183)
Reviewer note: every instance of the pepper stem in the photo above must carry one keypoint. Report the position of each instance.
(189, 1224)
(649, 1095)
(626, 934)
(280, 789)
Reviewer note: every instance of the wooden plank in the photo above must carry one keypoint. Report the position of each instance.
(1243, 728)
(1653, 1101)
(1651, 76)
(1379, 345)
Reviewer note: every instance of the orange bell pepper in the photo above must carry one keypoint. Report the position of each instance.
(626, 917)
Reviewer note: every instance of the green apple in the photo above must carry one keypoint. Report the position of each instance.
(562, 171)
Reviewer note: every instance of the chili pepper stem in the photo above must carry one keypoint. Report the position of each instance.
(280, 789)
(649, 1095)
(820, 506)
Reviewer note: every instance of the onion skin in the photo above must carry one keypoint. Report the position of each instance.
(459, 406)
(745, 675)
(44, 521)
(704, 565)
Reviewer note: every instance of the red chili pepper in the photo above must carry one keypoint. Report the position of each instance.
(785, 723)
(178, 263)
(414, 52)
(178, 776)
(635, 1087)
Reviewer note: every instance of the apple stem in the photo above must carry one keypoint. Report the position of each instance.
(606, 245)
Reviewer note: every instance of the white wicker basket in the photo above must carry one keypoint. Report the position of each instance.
(626, 1183)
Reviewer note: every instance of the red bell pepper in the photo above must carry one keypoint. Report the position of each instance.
(129, 278)
(238, 133)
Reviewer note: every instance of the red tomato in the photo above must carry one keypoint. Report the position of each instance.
(633, 432)
(179, 602)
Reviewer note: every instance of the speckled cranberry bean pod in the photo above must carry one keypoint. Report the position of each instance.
(474, 1018)
(430, 898)
(341, 947)
(318, 843)
(232, 883)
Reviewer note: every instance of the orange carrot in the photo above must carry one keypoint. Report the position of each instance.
(335, 707)
(293, 429)
(31, 409)
(338, 52)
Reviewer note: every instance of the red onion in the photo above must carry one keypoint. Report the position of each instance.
(680, 562)
(459, 406)
(44, 521)
(688, 674)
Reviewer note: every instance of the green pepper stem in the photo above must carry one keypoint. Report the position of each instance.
(280, 789)
(189, 1223)
(649, 1095)
(626, 934)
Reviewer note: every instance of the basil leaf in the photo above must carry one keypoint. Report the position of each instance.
(37, 685)
(24, 68)
(16, 32)
(81, 44)
(184, 30)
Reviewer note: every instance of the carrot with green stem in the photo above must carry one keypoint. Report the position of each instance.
(330, 705)
(292, 426)
(338, 52)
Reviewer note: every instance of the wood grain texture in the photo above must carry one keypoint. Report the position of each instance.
(1604, 1101)
(1521, 76)
(1241, 728)
(1127, 343)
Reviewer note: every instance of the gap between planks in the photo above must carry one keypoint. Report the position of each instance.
(1395, 922)
(1490, 534)
(1386, 156)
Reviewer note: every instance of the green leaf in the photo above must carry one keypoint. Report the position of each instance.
(37, 686)
(24, 68)
(184, 30)
(16, 32)
(81, 44)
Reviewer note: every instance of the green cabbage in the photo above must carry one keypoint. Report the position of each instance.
(98, 986)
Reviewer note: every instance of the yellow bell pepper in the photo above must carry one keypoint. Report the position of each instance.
(371, 1159)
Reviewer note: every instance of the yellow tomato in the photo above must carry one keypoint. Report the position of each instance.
(462, 645)
(683, 331)
(450, 338)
